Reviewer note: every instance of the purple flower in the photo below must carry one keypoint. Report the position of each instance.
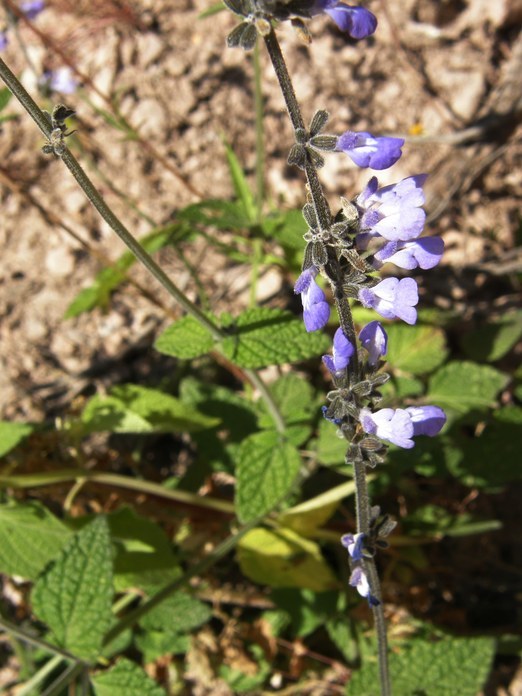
(400, 425)
(3, 40)
(367, 151)
(393, 212)
(342, 352)
(392, 298)
(359, 580)
(358, 22)
(373, 337)
(354, 544)
(393, 425)
(426, 420)
(424, 253)
(316, 309)
(60, 80)
(32, 8)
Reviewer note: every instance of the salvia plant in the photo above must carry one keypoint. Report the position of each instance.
(348, 248)
(347, 257)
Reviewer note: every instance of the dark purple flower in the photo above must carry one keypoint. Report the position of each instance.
(354, 544)
(359, 580)
(423, 253)
(426, 420)
(392, 298)
(374, 338)
(32, 8)
(3, 40)
(342, 352)
(393, 425)
(335, 421)
(316, 309)
(400, 425)
(368, 151)
(393, 212)
(358, 22)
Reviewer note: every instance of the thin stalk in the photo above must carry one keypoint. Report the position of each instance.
(260, 134)
(127, 238)
(66, 678)
(380, 628)
(362, 499)
(323, 214)
(29, 687)
(19, 633)
(319, 201)
(115, 480)
(198, 569)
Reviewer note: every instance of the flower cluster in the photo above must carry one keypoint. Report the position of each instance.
(381, 225)
(257, 15)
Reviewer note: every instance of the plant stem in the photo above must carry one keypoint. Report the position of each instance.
(135, 247)
(322, 211)
(380, 628)
(13, 630)
(29, 687)
(260, 144)
(115, 480)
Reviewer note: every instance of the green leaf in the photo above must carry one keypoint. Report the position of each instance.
(264, 336)
(241, 186)
(465, 386)
(308, 516)
(134, 409)
(125, 679)
(331, 450)
(97, 295)
(143, 552)
(74, 595)
(281, 558)
(30, 537)
(435, 520)
(398, 387)
(498, 443)
(307, 609)
(492, 341)
(5, 97)
(179, 613)
(448, 666)
(416, 349)
(224, 215)
(266, 469)
(12, 434)
(108, 279)
(287, 228)
(185, 339)
(154, 644)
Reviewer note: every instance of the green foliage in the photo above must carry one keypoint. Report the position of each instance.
(30, 536)
(492, 341)
(461, 387)
(416, 349)
(436, 668)
(282, 558)
(144, 554)
(74, 594)
(125, 679)
(185, 339)
(12, 434)
(131, 408)
(263, 336)
(266, 469)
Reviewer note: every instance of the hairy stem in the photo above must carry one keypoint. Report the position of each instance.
(322, 210)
